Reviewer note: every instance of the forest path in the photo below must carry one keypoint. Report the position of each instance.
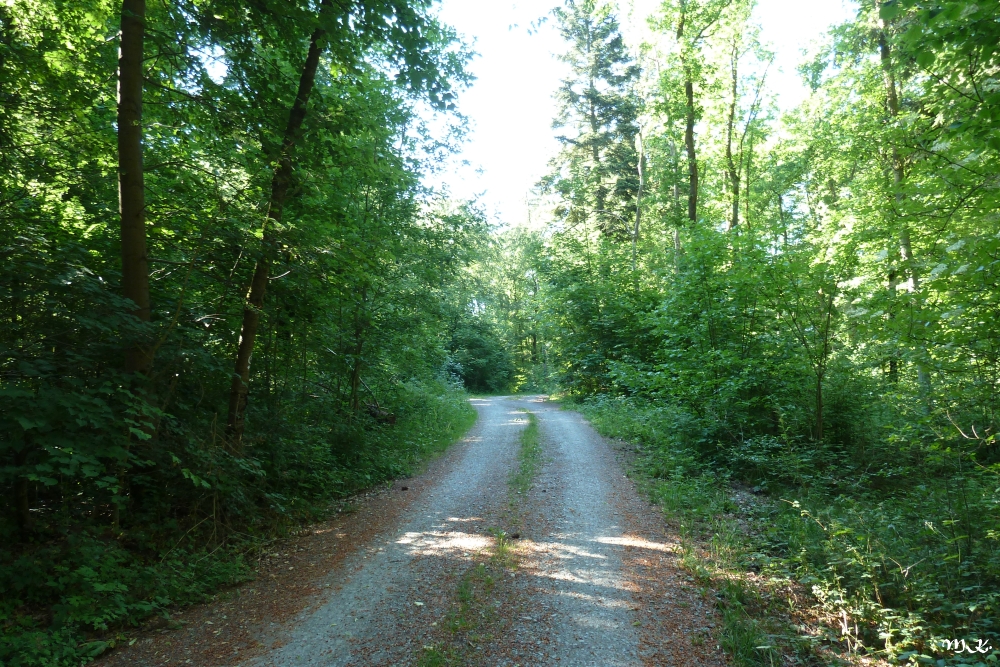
(413, 578)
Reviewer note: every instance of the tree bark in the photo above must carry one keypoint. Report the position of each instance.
(638, 203)
(819, 407)
(280, 183)
(131, 193)
(734, 171)
(356, 374)
(359, 346)
(898, 176)
(821, 367)
(898, 173)
(691, 155)
(689, 123)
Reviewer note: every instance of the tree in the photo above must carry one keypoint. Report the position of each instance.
(127, 477)
(131, 185)
(596, 173)
(280, 183)
(692, 21)
(413, 43)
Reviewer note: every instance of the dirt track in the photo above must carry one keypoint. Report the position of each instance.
(412, 578)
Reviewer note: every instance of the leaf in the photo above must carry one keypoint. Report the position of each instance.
(925, 58)
(889, 10)
(140, 434)
(28, 424)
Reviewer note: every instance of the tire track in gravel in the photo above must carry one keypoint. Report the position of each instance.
(386, 601)
(604, 572)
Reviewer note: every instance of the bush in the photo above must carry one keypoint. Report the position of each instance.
(63, 593)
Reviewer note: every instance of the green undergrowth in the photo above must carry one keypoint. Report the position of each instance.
(71, 594)
(470, 622)
(529, 458)
(807, 560)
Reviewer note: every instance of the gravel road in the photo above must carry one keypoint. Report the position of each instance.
(413, 577)
(383, 603)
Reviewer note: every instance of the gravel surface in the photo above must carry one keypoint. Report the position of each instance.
(577, 555)
(412, 577)
(605, 567)
(383, 604)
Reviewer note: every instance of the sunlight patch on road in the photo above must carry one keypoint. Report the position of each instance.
(444, 543)
(560, 550)
(586, 577)
(597, 623)
(632, 541)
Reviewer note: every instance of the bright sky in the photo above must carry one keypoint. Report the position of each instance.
(511, 107)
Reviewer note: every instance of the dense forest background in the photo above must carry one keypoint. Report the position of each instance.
(228, 299)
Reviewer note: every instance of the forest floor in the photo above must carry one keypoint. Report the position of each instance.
(499, 554)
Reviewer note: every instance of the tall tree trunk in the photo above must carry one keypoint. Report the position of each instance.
(280, 182)
(734, 171)
(898, 172)
(898, 175)
(21, 503)
(691, 156)
(359, 346)
(818, 433)
(356, 374)
(781, 218)
(638, 203)
(131, 194)
(822, 365)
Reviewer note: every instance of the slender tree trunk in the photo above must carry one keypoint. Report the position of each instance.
(784, 225)
(898, 172)
(356, 374)
(819, 407)
(734, 172)
(898, 176)
(821, 366)
(359, 346)
(131, 194)
(691, 155)
(21, 505)
(280, 183)
(894, 356)
(688, 125)
(638, 204)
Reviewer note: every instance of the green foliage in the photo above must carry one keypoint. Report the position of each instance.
(500, 339)
(62, 597)
(60, 600)
(480, 357)
(122, 496)
(596, 174)
(529, 458)
(909, 567)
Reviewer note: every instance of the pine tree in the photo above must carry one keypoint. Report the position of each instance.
(597, 172)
